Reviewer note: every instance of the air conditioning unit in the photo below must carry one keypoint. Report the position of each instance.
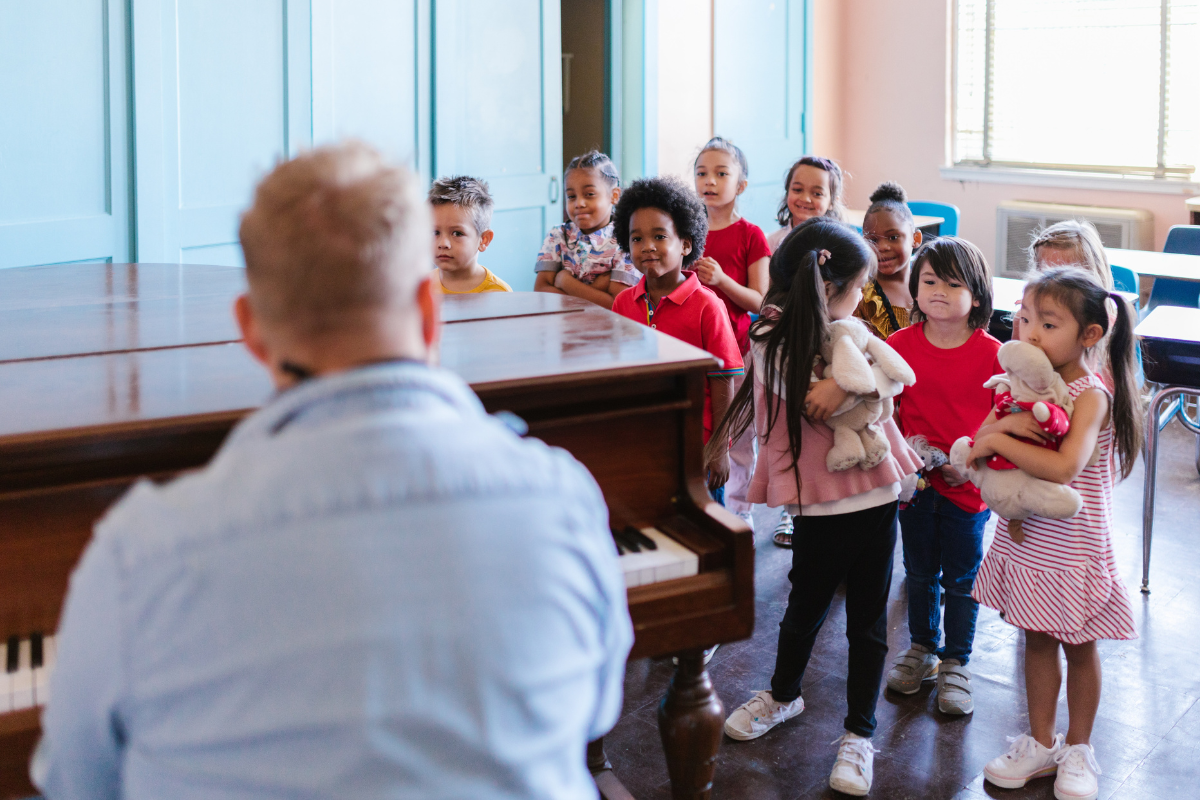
(1018, 221)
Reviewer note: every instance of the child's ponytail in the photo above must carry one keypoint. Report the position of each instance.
(788, 336)
(1127, 416)
(1080, 292)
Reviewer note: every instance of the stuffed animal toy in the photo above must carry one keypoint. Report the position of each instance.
(933, 459)
(858, 439)
(1029, 385)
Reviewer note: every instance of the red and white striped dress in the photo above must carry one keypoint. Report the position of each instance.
(1063, 579)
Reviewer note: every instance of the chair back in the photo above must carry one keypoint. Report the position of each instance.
(1183, 239)
(948, 212)
(1125, 279)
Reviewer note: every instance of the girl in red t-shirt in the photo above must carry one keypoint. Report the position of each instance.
(952, 354)
(734, 265)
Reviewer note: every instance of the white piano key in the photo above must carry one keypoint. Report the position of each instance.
(40, 674)
(671, 560)
(5, 680)
(22, 680)
(48, 656)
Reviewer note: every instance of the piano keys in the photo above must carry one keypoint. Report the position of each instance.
(112, 372)
(28, 662)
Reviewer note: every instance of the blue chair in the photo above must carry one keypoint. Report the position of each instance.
(1125, 279)
(949, 213)
(1171, 291)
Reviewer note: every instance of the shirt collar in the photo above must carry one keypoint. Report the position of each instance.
(329, 395)
(600, 235)
(678, 295)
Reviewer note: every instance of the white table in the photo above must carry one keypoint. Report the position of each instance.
(930, 225)
(1007, 293)
(1153, 264)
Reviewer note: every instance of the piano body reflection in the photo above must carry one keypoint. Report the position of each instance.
(113, 372)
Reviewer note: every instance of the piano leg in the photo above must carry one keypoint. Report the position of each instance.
(602, 773)
(689, 721)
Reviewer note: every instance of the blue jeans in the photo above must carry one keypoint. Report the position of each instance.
(943, 547)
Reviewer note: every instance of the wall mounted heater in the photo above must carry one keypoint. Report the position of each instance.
(1018, 221)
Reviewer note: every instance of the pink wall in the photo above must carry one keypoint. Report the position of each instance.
(881, 108)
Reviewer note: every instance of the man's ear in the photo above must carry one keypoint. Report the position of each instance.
(485, 239)
(1092, 334)
(251, 334)
(429, 300)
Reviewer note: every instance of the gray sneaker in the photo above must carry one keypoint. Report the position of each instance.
(916, 664)
(954, 688)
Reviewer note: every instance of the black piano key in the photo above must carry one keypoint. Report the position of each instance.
(35, 651)
(625, 541)
(14, 650)
(641, 538)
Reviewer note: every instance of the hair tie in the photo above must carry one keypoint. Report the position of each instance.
(823, 256)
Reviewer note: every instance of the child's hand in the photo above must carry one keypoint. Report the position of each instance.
(952, 476)
(561, 277)
(601, 283)
(1022, 425)
(718, 472)
(824, 398)
(708, 271)
(984, 448)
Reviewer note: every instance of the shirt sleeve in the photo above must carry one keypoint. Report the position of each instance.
(623, 270)
(549, 258)
(83, 737)
(719, 339)
(756, 245)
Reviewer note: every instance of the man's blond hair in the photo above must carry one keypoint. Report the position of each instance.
(335, 237)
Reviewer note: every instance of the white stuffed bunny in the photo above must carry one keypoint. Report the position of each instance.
(1013, 493)
(861, 364)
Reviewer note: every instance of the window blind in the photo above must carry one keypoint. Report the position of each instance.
(1093, 85)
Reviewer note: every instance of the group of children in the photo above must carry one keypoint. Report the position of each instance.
(681, 259)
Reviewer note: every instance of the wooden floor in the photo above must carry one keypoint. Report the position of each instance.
(1147, 736)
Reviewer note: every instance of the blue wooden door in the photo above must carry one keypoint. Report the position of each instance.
(498, 116)
(64, 110)
(371, 76)
(222, 92)
(761, 92)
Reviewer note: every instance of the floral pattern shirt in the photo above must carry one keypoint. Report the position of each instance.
(586, 255)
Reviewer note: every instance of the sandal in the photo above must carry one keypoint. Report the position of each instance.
(954, 688)
(783, 531)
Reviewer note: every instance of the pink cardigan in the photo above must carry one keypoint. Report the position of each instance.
(774, 482)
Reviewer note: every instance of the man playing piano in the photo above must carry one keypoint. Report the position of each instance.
(374, 589)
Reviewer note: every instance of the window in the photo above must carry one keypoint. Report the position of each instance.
(1105, 86)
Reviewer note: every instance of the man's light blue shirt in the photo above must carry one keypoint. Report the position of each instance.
(374, 590)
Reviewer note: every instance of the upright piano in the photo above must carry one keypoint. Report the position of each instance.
(114, 372)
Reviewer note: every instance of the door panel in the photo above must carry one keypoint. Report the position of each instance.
(499, 117)
(222, 93)
(64, 159)
(371, 75)
(760, 95)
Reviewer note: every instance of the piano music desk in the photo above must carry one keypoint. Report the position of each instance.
(1171, 348)
(113, 372)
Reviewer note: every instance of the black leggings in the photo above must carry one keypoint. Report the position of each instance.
(856, 548)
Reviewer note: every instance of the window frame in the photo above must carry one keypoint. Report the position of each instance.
(1159, 178)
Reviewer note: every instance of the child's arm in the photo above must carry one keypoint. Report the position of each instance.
(1063, 465)
(720, 388)
(544, 282)
(1023, 425)
(569, 284)
(749, 297)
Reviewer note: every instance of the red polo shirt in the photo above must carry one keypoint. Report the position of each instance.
(694, 314)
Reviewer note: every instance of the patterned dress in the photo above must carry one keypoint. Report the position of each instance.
(874, 309)
(1063, 579)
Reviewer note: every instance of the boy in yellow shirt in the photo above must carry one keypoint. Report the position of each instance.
(462, 215)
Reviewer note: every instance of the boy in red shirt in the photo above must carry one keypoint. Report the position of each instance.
(952, 354)
(662, 225)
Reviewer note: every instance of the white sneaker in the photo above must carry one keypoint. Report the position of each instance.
(1077, 771)
(1025, 760)
(757, 716)
(855, 766)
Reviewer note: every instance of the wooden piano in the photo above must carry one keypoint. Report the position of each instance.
(111, 372)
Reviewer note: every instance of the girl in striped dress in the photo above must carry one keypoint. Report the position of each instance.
(1061, 583)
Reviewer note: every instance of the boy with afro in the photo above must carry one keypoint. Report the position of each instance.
(662, 225)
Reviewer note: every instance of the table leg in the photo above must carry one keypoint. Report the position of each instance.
(1151, 455)
(602, 773)
(689, 721)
